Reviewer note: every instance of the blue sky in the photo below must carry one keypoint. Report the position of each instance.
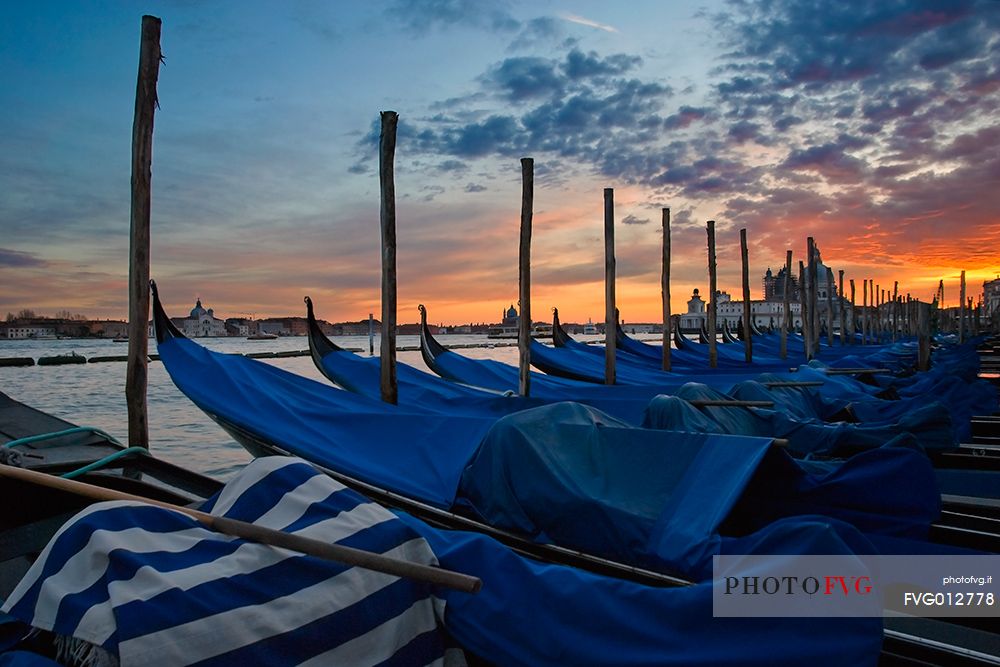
(872, 126)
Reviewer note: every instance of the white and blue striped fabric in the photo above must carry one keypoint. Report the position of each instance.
(152, 586)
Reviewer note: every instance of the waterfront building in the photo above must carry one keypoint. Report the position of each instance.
(509, 323)
(766, 314)
(991, 298)
(695, 317)
(201, 323)
(769, 312)
(774, 286)
(22, 331)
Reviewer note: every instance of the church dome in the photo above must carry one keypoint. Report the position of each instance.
(197, 311)
(511, 312)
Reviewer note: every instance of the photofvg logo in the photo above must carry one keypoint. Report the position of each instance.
(830, 584)
(846, 585)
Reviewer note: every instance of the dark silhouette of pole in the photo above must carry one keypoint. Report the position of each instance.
(713, 353)
(747, 343)
(387, 220)
(804, 310)
(961, 309)
(610, 321)
(814, 322)
(864, 313)
(371, 334)
(786, 320)
(665, 289)
(842, 310)
(854, 315)
(136, 372)
(877, 303)
(924, 337)
(829, 307)
(895, 309)
(524, 273)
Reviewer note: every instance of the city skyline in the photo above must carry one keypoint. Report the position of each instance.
(871, 126)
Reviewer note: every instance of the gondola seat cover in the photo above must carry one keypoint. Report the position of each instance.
(153, 586)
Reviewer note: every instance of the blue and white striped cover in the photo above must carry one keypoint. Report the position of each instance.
(152, 586)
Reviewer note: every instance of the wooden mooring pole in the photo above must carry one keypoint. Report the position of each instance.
(877, 300)
(895, 309)
(854, 315)
(747, 342)
(786, 319)
(524, 273)
(842, 310)
(387, 219)
(813, 297)
(804, 310)
(961, 309)
(713, 352)
(136, 374)
(829, 307)
(864, 312)
(610, 321)
(665, 289)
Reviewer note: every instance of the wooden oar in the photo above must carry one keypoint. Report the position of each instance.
(276, 538)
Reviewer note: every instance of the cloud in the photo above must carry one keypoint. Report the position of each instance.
(16, 259)
(868, 127)
(522, 78)
(633, 220)
(579, 20)
(475, 187)
(828, 160)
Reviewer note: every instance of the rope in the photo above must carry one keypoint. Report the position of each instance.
(14, 458)
(106, 460)
(58, 434)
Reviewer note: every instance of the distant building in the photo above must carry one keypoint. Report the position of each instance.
(509, 324)
(21, 331)
(770, 311)
(240, 326)
(774, 286)
(201, 323)
(694, 318)
(109, 328)
(991, 298)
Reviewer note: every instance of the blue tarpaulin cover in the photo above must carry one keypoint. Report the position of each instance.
(417, 454)
(424, 456)
(930, 424)
(569, 474)
(153, 587)
(530, 613)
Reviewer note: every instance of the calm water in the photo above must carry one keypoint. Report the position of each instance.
(94, 394)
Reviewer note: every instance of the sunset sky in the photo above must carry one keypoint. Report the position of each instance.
(872, 126)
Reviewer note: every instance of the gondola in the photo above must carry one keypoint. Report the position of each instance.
(328, 422)
(192, 368)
